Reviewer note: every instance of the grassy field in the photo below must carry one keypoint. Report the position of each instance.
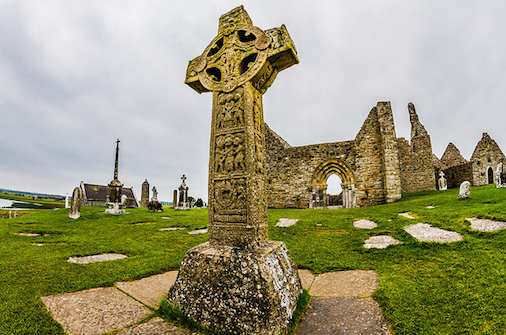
(425, 288)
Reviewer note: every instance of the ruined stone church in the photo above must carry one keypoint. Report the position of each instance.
(375, 168)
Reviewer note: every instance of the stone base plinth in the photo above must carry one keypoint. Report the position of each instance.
(238, 291)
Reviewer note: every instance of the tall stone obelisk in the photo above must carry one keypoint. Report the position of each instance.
(239, 282)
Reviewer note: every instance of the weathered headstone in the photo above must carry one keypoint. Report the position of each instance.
(465, 190)
(75, 204)
(145, 194)
(239, 282)
(174, 200)
(442, 183)
(114, 205)
(500, 176)
(154, 205)
(183, 203)
(67, 200)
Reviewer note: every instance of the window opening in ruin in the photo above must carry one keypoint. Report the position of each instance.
(334, 190)
(490, 175)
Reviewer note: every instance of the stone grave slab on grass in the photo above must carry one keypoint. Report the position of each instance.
(198, 231)
(380, 242)
(95, 311)
(426, 233)
(95, 258)
(149, 290)
(155, 326)
(486, 225)
(364, 224)
(407, 215)
(171, 228)
(286, 222)
(29, 234)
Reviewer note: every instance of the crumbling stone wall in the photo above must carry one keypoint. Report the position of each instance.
(416, 159)
(486, 157)
(368, 165)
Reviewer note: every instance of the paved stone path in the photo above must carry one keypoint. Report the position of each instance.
(340, 304)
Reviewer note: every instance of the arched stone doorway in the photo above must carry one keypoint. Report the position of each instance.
(319, 185)
(490, 173)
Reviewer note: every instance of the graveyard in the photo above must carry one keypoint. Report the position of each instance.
(424, 287)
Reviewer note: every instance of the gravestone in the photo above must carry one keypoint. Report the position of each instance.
(239, 282)
(500, 176)
(442, 184)
(155, 205)
(465, 190)
(67, 200)
(75, 204)
(174, 199)
(145, 194)
(183, 195)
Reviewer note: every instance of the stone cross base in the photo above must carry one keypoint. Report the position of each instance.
(238, 291)
(183, 206)
(114, 208)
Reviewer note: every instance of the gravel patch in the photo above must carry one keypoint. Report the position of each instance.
(95, 258)
(486, 225)
(380, 242)
(364, 224)
(426, 233)
(286, 222)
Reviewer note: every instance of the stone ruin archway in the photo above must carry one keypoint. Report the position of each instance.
(490, 174)
(319, 184)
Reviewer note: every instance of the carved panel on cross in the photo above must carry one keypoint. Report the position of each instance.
(229, 153)
(230, 196)
(230, 110)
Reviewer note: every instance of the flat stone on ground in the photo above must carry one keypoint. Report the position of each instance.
(365, 224)
(198, 231)
(30, 234)
(95, 258)
(430, 207)
(380, 242)
(356, 283)
(286, 222)
(342, 315)
(95, 311)
(306, 278)
(155, 326)
(485, 224)
(407, 215)
(149, 290)
(426, 233)
(171, 228)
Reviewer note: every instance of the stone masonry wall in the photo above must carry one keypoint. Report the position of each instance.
(416, 160)
(486, 157)
(457, 174)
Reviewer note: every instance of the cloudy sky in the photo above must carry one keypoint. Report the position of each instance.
(77, 74)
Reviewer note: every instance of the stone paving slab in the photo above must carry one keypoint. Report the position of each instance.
(485, 224)
(355, 283)
(95, 311)
(149, 290)
(306, 278)
(407, 215)
(198, 231)
(426, 233)
(342, 315)
(380, 241)
(155, 326)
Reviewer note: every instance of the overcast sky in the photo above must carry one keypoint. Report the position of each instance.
(76, 75)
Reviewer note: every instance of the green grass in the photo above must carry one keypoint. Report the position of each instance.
(425, 288)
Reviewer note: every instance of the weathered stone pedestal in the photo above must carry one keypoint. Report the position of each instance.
(238, 291)
(239, 282)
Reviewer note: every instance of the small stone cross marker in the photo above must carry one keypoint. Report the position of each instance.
(238, 66)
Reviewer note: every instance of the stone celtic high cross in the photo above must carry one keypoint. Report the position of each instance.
(238, 66)
(239, 282)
